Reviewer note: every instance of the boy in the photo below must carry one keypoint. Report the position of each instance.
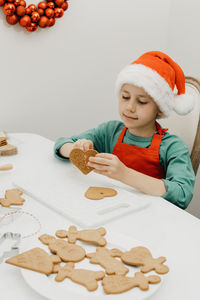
(137, 151)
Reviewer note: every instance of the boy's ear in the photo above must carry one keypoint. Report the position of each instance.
(160, 113)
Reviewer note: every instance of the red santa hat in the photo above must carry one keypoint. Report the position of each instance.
(158, 75)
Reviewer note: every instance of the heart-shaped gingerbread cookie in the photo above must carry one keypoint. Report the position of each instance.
(98, 193)
(80, 159)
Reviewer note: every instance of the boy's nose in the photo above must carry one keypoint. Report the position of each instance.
(132, 105)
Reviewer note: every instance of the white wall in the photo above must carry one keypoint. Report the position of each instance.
(60, 81)
(183, 44)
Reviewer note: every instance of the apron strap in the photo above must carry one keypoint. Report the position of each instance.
(121, 136)
(157, 138)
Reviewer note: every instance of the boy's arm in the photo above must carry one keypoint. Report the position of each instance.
(63, 145)
(178, 185)
(180, 177)
(82, 144)
(110, 165)
(101, 137)
(144, 183)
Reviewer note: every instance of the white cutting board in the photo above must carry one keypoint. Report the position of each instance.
(61, 186)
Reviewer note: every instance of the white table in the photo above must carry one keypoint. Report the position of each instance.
(172, 231)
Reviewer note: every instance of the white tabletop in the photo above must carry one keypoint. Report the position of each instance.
(173, 232)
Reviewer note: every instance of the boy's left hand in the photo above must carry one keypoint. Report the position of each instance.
(109, 165)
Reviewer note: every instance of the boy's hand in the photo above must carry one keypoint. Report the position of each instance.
(108, 165)
(83, 144)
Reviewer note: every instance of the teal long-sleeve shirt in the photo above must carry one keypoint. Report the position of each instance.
(173, 154)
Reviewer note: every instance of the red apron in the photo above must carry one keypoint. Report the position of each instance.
(144, 160)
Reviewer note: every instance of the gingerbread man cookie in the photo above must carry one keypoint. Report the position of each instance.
(12, 197)
(115, 284)
(80, 159)
(67, 252)
(141, 256)
(84, 277)
(103, 257)
(46, 238)
(94, 236)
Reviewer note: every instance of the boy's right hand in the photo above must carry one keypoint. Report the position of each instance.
(83, 144)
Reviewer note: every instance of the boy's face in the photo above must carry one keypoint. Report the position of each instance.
(138, 110)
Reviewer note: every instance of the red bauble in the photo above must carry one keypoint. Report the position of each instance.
(43, 22)
(32, 7)
(20, 11)
(51, 22)
(49, 12)
(32, 27)
(9, 9)
(23, 3)
(25, 21)
(59, 2)
(64, 6)
(2, 2)
(32, 16)
(28, 11)
(51, 5)
(12, 20)
(17, 2)
(35, 16)
(58, 12)
(40, 11)
(42, 5)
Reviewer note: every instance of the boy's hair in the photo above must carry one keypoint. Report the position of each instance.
(158, 74)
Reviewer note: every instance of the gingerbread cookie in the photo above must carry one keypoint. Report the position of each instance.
(98, 193)
(6, 167)
(46, 238)
(80, 159)
(116, 284)
(3, 141)
(8, 150)
(141, 256)
(55, 259)
(84, 277)
(67, 252)
(94, 236)
(35, 259)
(103, 257)
(12, 197)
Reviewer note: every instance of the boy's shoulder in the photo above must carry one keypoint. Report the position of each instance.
(173, 142)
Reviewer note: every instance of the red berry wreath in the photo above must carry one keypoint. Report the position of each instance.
(33, 16)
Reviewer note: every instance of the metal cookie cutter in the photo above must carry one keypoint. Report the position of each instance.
(14, 250)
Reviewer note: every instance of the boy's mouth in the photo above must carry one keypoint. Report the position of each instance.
(130, 118)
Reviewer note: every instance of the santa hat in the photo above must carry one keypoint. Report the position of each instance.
(158, 74)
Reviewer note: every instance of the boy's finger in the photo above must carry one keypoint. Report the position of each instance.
(98, 167)
(99, 160)
(105, 155)
(91, 146)
(86, 146)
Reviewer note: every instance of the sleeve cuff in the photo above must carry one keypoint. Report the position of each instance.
(58, 145)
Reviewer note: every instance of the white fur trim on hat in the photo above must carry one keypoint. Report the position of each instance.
(155, 85)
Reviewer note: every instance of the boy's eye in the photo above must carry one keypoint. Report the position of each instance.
(142, 101)
(125, 97)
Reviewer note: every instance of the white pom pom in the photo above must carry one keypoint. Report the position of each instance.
(183, 104)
